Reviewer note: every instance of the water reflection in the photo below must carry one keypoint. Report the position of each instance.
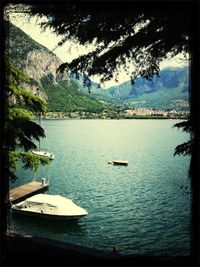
(41, 225)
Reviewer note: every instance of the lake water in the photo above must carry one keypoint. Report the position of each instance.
(139, 208)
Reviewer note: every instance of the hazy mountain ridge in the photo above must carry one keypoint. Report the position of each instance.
(168, 91)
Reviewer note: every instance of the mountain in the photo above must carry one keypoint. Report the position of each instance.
(40, 65)
(168, 79)
(168, 91)
(75, 92)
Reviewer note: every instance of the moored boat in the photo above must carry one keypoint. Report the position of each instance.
(39, 151)
(47, 206)
(118, 162)
(43, 154)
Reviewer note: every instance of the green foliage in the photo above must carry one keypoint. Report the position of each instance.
(187, 147)
(184, 149)
(185, 125)
(65, 97)
(19, 130)
(14, 79)
(28, 159)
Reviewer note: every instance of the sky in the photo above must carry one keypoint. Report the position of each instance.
(69, 51)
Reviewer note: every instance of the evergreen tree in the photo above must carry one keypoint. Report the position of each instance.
(20, 131)
(132, 32)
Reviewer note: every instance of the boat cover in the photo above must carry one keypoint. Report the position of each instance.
(50, 204)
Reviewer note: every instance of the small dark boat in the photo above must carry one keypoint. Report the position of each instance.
(118, 162)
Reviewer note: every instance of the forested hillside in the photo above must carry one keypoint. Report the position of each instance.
(168, 91)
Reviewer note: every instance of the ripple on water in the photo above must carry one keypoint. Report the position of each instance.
(136, 208)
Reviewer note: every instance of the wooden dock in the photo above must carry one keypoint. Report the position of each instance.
(27, 190)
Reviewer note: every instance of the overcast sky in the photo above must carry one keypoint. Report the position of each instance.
(69, 51)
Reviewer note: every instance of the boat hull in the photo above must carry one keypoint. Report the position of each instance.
(118, 162)
(44, 154)
(53, 207)
(47, 216)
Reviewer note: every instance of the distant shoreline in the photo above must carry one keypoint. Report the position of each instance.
(135, 118)
(116, 115)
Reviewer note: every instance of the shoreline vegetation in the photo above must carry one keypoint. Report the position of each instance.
(118, 114)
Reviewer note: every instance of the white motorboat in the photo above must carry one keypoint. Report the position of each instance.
(47, 206)
(43, 153)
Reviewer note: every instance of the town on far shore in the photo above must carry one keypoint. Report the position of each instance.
(137, 113)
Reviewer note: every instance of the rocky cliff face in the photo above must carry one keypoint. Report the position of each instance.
(40, 64)
(35, 60)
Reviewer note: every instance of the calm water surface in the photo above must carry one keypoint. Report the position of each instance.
(137, 208)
